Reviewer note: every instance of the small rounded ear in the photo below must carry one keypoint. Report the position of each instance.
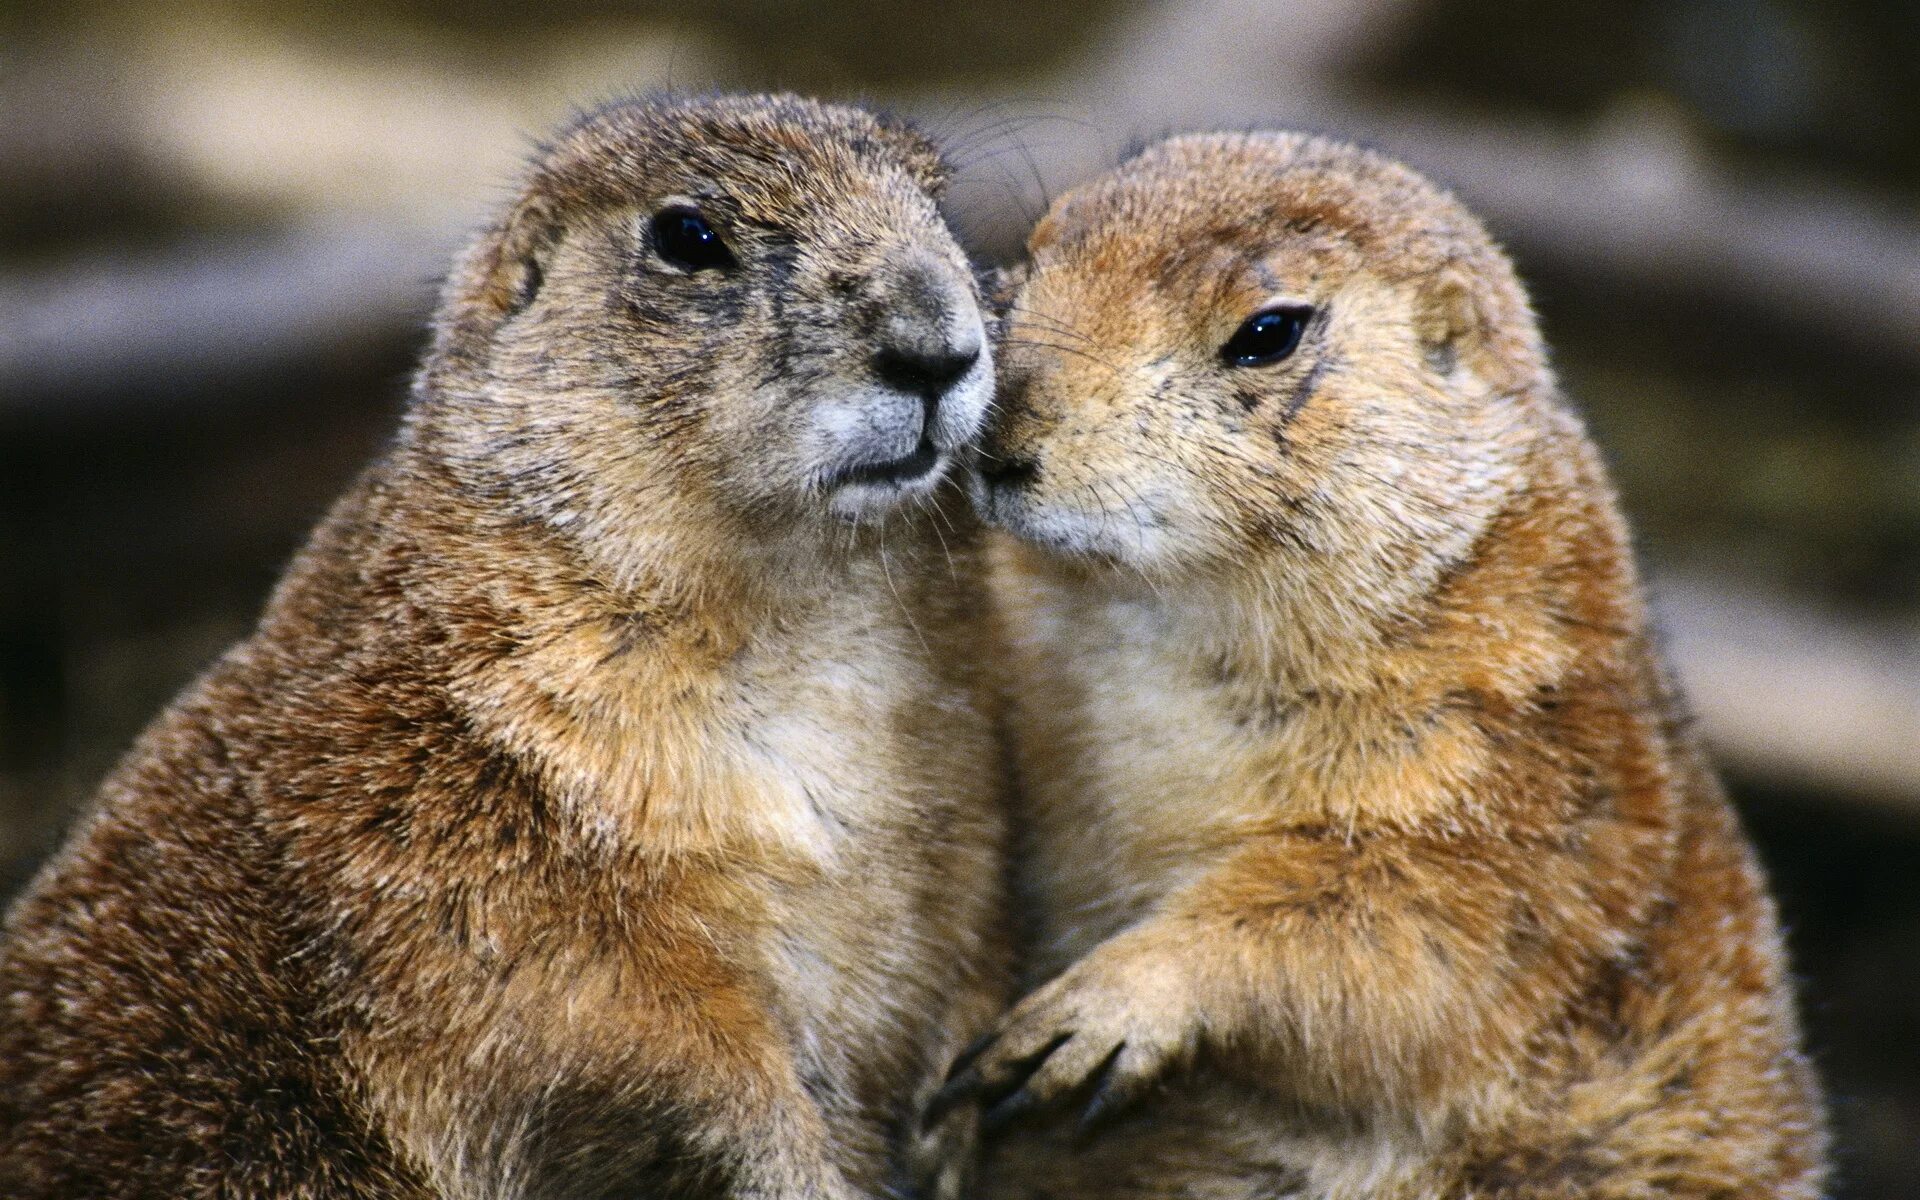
(1474, 316)
(496, 276)
(1450, 324)
(517, 267)
(919, 153)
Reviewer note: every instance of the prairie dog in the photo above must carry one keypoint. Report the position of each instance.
(606, 803)
(1368, 848)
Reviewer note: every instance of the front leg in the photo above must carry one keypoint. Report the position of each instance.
(1108, 1027)
(1360, 974)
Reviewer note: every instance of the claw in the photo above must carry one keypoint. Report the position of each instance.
(1015, 1098)
(1022, 1070)
(947, 1099)
(974, 1049)
(1009, 1108)
(965, 1082)
(959, 1082)
(1104, 1102)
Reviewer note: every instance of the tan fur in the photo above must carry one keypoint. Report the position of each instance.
(606, 805)
(1367, 848)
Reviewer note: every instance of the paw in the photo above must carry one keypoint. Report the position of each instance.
(1108, 1028)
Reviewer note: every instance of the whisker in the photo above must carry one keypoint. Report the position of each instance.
(1049, 323)
(925, 504)
(1074, 350)
(886, 573)
(971, 151)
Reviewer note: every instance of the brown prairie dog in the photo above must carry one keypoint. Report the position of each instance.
(606, 804)
(1368, 848)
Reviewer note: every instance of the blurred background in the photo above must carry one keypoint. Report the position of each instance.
(221, 224)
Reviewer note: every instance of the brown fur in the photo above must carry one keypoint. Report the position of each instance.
(605, 805)
(1363, 828)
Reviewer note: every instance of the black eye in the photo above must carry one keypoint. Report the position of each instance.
(1267, 337)
(683, 238)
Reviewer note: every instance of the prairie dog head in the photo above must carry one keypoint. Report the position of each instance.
(1237, 346)
(739, 308)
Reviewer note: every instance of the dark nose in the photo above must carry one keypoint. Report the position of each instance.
(929, 333)
(924, 370)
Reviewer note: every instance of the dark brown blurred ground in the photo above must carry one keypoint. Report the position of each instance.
(148, 500)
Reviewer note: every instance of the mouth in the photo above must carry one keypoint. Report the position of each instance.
(894, 472)
(1005, 498)
(1008, 472)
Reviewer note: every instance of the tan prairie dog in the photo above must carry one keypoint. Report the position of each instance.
(605, 805)
(1363, 828)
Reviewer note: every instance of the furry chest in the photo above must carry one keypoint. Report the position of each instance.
(1135, 780)
(829, 762)
(868, 775)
